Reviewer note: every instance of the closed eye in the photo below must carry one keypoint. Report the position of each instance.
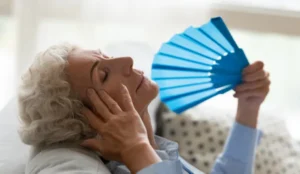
(106, 73)
(105, 76)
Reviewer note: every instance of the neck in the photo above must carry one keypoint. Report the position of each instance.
(147, 122)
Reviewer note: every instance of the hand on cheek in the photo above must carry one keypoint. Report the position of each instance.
(123, 134)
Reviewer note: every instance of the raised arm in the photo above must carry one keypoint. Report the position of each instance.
(239, 151)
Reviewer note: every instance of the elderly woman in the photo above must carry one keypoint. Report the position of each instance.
(84, 112)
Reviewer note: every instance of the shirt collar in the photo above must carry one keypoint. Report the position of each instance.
(167, 150)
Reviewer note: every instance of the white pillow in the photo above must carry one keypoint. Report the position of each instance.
(202, 131)
(14, 153)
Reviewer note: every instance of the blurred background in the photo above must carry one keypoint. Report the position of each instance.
(267, 30)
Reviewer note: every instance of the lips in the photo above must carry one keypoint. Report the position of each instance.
(141, 82)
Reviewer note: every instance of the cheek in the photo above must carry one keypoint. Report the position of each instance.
(114, 91)
(140, 101)
(145, 98)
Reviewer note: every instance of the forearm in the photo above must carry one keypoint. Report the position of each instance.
(247, 116)
(239, 151)
(139, 157)
(147, 122)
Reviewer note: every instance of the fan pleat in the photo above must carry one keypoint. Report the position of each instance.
(194, 99)
(198, 64)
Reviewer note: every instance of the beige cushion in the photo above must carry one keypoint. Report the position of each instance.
(201, 136)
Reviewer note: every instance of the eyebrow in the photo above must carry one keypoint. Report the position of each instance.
(92, 69)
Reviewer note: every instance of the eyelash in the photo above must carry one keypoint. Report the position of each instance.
(106, 75)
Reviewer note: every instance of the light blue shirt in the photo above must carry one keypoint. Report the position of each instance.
(237, 158)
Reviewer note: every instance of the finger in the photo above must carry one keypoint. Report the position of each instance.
(94, 121)
(258, 65)
(93, 144)
(127, 101)
(258, 75)
(253, 85)
(98, 104)
(112, 105)
(261, 92)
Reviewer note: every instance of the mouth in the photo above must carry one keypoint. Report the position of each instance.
(141, 82)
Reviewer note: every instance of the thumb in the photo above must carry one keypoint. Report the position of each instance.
(93, 144)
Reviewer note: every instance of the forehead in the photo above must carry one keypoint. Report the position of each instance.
(78, 69)
(79, 54)
(80, 62)
(82, 59)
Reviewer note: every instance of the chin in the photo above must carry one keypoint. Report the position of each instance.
(154, 90)
(147, 96)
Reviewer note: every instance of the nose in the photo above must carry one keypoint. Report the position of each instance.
(124, 64)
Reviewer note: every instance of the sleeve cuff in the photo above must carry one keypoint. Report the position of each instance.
(164, 167)
(242, 142)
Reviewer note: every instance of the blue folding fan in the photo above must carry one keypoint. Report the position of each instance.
(197, 65)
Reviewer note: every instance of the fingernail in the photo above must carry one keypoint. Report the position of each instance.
(84, 143)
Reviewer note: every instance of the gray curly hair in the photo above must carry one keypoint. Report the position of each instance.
(49, 110)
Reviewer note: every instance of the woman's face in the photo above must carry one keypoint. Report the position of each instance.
(91, 69)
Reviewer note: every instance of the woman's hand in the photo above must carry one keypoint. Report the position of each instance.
(255, 87)
(252, 93)
(123, 136)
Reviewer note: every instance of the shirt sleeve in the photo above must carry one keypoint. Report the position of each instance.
(237, 157)
(164, 167)
(239, 151)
